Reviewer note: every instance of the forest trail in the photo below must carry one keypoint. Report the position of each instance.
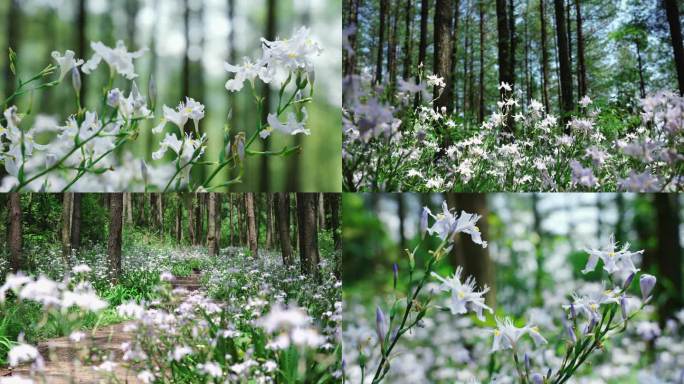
(62, 356)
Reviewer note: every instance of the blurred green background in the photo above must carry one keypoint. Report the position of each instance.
(217, 31)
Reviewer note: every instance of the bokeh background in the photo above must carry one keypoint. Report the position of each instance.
(533, 263)
(217, 31)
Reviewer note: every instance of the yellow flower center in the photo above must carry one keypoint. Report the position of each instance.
(593, 306)
(611, 254)
(497, 332)
(461, 294)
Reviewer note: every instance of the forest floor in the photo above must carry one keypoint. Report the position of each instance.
(63, 357)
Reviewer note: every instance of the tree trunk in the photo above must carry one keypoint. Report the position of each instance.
(408, 39)
(308, 233)
(76, 221)
(67, 210)
(669, 257)
(15, 238)
(481, 108)
(474, 259)
(401, 215)
(230, 219)
(251, 224)
(581, 67)
(544, 58)
(115, 230)
(269, 220)
(504, 51)
(674, 20)
(82, 44)
(179, 221)
(392, 45)
(217, 224)
(454, 55)
(269, 34)
(381, 41)
(564, 63)
(282, 213)
(422, 46)
(189, 205)
(350, 63)
(640, 66)
(511, 31)
(442, 51)
(211, 230)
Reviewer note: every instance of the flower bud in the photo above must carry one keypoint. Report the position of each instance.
(423, 222)
(537, 378)
(571, 333)
(76, 80)
(143, 170)
(527, 362)
(590, 325)
(623, 306)
(380, 324)
(628, 281)
(646, 283)
(114, 98)
(573, 313)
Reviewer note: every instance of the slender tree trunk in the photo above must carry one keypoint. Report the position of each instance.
(422, 45)
(581, 66)
(454, 55)
(189, 205)
(408, 41)
(481, 108)
(282, 213)
(211, 230)
(567, 102)
(308, 233)
(401, 215)
(76, 221)
(15, 239)
(269, 220)
(185, 75)
(504, 48)
(270, 34)
(466, 42)
(544, 58)
(514, 38)
(392, 44)
(528, 87)
(384, 4)
(642, 83)
(67, 210)
(335, 219)
(251, 224)
(218, 223)
(230, 219)
(179, 221)
(82, 44)
(115, 231)
(669, 253)
(350, 63)
(674, 20)
(442, 59)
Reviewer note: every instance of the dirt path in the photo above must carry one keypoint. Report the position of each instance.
(62, 356)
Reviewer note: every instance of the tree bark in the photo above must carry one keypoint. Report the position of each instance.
(211, 230)
(392, 45)
(15, 238)
(269, 220)
(669, 253)
(282, 213)
(115, 230)
(567, 103)
(189, 205)
(481, 108)
(442, 51)
(674, 20)
(251, 224)
(384, 4)
(350, 63)
(230, 219)
(67, 210)
(454, 55)
(308, 233)
(82, 44)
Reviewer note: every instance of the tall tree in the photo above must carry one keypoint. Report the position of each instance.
(67, 209)
(334, 204)
(674, 20)
(392, 44)
(408, 39)
(567, 102)
(251, 224)
(442, 59)
(212, 242)
(15, 239)
(544, 57)
(308, 233)
(350, 63)
(422, 45)
(504, 50)
(481, 108)
(581, 66)
(669, 257)
(454, 54)
(384, 4)
(115, 231)
(76, 221)
(282, 213)
(269, 220)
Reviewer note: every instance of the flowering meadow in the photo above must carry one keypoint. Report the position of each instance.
(507, 96)
(543, 288)
(137, 110)
(179, 309)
